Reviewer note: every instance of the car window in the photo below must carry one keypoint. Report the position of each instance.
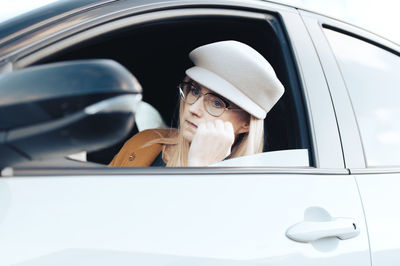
(372, 78)
(159, 69)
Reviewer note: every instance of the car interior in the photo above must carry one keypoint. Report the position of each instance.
(156, 53)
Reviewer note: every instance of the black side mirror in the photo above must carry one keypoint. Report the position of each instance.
(53, 110)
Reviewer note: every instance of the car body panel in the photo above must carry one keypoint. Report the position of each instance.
(382, 214)
(175, 219)
(92, 214)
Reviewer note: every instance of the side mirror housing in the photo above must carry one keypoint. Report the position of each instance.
(53, 110)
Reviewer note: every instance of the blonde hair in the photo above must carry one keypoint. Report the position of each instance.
(246, 143)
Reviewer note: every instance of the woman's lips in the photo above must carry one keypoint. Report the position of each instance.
(191, 124)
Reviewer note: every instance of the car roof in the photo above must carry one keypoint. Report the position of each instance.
(13, 28)
(62, 8)
(42, 13)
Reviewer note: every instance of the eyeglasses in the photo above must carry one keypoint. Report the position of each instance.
(213, 104)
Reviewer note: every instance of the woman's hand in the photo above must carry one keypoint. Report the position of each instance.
(211, 144)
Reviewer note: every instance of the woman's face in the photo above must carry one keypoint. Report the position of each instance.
(194, 114)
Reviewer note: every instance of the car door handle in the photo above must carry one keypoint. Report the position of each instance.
(308, 231)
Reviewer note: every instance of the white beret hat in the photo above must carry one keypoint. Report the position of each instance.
(239, 73)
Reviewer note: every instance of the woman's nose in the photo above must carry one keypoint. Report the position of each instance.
(197, 107)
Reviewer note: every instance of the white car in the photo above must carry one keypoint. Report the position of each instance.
(323, 192)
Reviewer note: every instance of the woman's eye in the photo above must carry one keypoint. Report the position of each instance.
(195, 92)
(218, 103)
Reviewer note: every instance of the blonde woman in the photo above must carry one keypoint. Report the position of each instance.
(225, 97)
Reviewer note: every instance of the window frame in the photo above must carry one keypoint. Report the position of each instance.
(322, 134)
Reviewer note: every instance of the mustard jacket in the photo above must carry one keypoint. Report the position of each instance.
(135, 152)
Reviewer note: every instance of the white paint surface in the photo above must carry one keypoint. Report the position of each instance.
(208, 220)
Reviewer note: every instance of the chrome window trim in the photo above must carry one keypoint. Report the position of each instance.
(380, 170)
(188, 171)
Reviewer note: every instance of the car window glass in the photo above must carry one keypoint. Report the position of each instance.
(372, 78)
(160, 68)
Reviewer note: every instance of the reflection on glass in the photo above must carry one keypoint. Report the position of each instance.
(372, 77)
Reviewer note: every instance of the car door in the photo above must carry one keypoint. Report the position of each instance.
(281, 215)
(364, 76)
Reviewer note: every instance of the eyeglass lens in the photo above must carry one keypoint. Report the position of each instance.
(214, 105)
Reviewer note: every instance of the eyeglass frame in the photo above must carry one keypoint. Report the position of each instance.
(182, 95)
